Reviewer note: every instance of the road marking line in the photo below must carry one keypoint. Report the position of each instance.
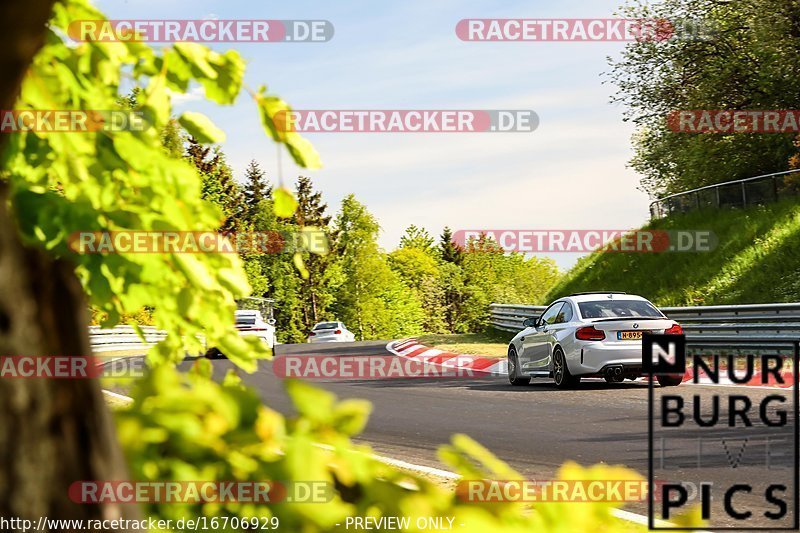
(619, 513)
(126, 399)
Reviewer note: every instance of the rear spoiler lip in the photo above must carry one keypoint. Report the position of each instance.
(622, 318)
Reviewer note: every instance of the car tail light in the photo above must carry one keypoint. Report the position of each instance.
(311, 334)
(676, 329)
(590, 333)
(337, 332)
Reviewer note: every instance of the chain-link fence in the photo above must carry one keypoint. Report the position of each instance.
(758, 190)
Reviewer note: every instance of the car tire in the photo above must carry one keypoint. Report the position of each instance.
(669, 380)
(513, 368)
(561, 375)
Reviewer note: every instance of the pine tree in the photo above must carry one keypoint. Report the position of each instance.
(218, 186)
(415, 237)
(256, 187)
(310, 208)
(451, 252)
(311, 212)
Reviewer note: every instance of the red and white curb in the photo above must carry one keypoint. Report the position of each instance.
(413, 349)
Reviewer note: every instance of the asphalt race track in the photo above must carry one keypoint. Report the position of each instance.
(535, 428)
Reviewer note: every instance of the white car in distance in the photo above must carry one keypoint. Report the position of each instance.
(331, 332)
(250, 322)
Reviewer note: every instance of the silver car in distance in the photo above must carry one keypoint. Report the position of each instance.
(588, 335)
(331, 332)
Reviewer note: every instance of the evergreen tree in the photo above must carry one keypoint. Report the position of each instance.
(310, 208)
(450, 251)
(256, 187)
(311, 212)
(218, 186)
(415, 237)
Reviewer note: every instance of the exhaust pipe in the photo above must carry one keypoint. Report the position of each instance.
(614, 373)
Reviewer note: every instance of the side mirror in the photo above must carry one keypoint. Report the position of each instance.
(530, 322)
(271, 321)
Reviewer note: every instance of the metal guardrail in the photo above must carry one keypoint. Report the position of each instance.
(121, 337)
(757, 190)
(725, 323)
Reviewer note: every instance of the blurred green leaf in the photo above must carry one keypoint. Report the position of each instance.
(285, 202)
(201, 128)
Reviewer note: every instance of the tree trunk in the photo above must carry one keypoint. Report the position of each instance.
(52, 432)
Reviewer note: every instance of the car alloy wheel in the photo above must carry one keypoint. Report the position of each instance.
(558, 369)
(513, 368)
(561, 375)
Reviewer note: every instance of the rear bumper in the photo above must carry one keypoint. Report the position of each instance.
(315, 340)
(265, 336)
(594, 358)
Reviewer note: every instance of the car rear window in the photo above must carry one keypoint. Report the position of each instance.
(327, 325)
(246, 319)
(618, 309)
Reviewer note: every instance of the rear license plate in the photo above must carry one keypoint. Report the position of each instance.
(629, 335)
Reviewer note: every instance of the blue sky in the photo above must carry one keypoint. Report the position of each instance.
(569, 174)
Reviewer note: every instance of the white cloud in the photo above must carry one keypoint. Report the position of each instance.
(194, 94)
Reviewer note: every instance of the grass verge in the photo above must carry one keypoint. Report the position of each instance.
(757, 260)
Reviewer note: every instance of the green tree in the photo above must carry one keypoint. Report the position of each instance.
(449, 250)
(420, 271)
(415, 237)
(750, 61)
(491, 276)
(452, 276)
(282, 280)
(173, 138)
(371, 299)
(311, 214)
(218, 184)
(256, 187)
